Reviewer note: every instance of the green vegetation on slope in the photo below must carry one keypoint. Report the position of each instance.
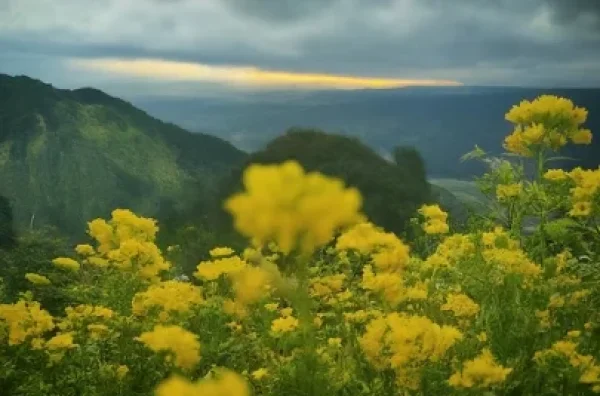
(68, 156)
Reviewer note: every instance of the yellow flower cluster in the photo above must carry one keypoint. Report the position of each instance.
(327, 285)
(61, 341)
(389, 284)
(221, 252)
(508, 191)
(450, 251)
(585, 192)
(461, 305)
(168, 296)
(284, 204)
(127, 243)
(556, 175)
(228, 383)
(387, 252)
(389, 256)
(66, 263)
(285, 324)
(86, 317)
(212, 270)
(501, 250)
(250, 284)
(85, 250)
(481, 372)
(546, 122)
(586, 364)
(405, 344)
(435, 219)
(25, 319)
(181, 343)
(37, 279)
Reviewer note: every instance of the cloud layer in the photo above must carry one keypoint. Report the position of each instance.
(483, 42)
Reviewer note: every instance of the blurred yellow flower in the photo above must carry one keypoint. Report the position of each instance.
(37, 279)
(227, 383)
(284, 204)
(180, 342)
(66, 263)
(481, 372)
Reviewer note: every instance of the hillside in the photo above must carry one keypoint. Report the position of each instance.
(442, 123)
(69, 156)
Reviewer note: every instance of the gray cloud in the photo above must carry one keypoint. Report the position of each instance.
(516, 42)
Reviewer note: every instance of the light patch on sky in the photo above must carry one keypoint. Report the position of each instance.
(157, 69)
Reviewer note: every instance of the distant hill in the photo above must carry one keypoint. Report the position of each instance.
(67, 156)
(442, 123)
(392, 192)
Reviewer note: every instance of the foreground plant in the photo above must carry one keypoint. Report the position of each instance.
(323, 302)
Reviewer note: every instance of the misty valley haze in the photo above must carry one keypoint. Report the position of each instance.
(442, 123)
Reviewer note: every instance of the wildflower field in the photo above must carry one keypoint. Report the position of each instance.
(323, 302)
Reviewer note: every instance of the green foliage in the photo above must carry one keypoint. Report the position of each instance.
(32, 253)
(68, 156)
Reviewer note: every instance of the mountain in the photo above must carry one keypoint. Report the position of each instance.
(443, 123)
(67, 156)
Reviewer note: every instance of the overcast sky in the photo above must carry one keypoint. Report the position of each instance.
(186, 46)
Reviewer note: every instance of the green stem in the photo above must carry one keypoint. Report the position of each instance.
(543, 213)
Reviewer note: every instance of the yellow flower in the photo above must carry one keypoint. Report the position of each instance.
(271, 307)
(535, 125)
(556, 175)
(250, 284)
(461, 305)
(37, 279)
(227, 383)
(85, 250)
(221, 252)
(481, 372)
(406, 344)
(260, 373)
(66, 263)
(169, 296)
(435, 219)
(98, 262)
(284, 204)
(286, 311)
(507, 191)
(334, 342)
(25, 319)
(482, 337)
(212, 270)
(582, 136)
(61, 341)
(180, 342)
(284, 325)
(581, 209)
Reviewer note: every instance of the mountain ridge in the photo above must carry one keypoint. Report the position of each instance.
(67, 156)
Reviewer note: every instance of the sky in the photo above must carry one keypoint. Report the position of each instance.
(190, 47)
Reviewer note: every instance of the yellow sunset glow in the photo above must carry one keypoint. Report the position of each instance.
(243, 76)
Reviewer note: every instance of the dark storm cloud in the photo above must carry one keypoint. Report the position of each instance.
(570, 11)
(517, 42)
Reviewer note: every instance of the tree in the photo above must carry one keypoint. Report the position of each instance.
(7, 233)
